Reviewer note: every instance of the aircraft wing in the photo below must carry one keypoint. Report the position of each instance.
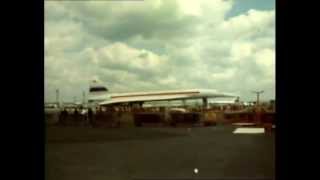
(162, 96)
(144, 99)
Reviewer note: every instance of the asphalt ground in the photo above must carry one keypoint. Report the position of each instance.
(84, 153)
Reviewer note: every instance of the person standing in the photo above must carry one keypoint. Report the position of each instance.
(63, 116)
(90, 116)
(76, 115)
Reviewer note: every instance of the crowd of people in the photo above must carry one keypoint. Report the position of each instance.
(88, 115)
(76, 115)
(108, 114)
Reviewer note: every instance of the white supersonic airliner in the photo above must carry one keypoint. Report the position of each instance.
(98, 94)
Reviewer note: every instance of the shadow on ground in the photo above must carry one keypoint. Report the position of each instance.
(88, 134)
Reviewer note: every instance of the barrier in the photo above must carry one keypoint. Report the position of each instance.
(268, 118)
(73, 119)
(147, 117)
(210, 118)
(189, 118)
(106, 119)
(250, 117)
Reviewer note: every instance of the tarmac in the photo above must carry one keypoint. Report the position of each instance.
(85, 153)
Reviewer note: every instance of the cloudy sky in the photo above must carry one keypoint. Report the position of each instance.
(136, 45)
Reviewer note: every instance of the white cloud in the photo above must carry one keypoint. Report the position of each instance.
(242, 50)
(225, 75)
(122, 56)
(247, 25)
(150, 45)
(266, 58)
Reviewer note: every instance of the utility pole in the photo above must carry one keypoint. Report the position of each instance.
(57, 97)
(258, 109)
(83, 97)
(258, 96)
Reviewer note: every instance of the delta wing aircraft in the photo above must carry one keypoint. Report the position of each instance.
(98, 95)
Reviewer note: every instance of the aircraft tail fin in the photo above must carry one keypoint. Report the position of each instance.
(97, 87)
(97, 91)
